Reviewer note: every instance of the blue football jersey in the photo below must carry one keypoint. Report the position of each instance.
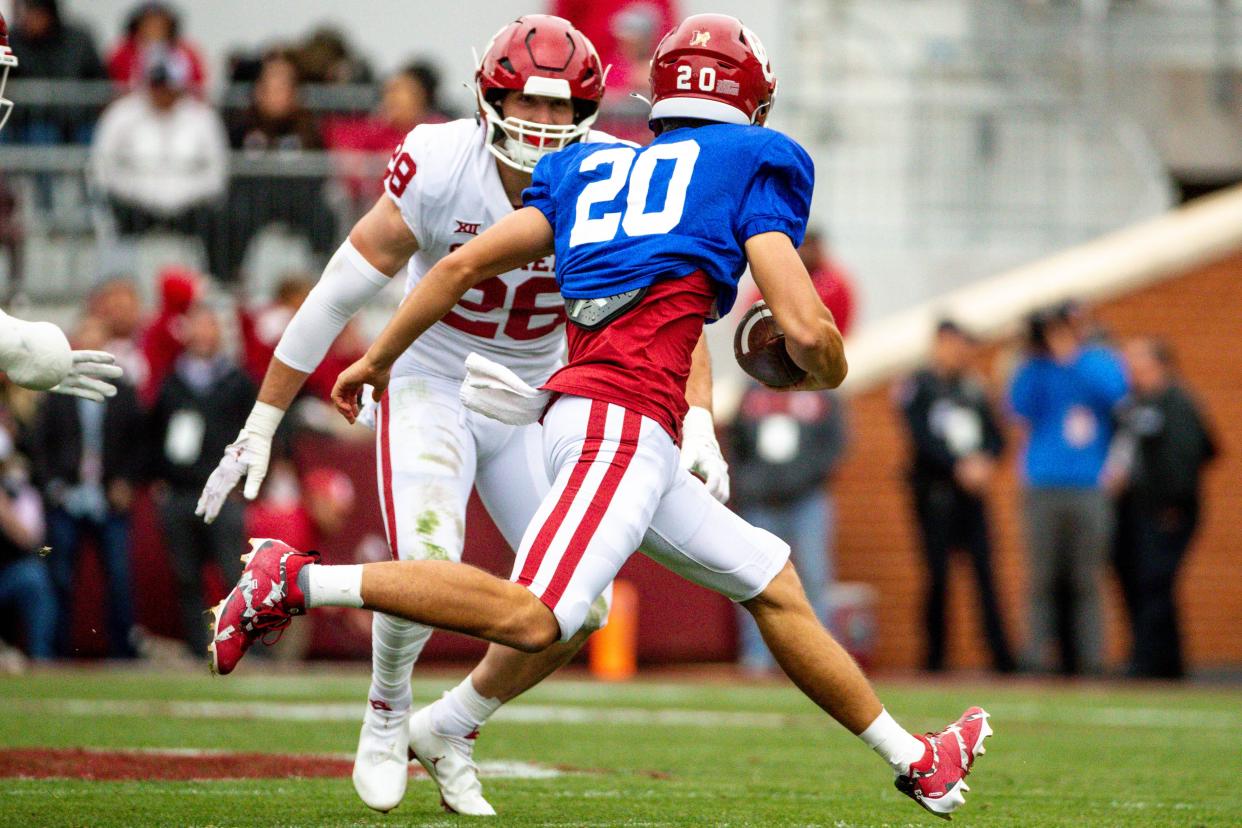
(627, 216)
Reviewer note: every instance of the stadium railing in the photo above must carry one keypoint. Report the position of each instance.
(281, 212)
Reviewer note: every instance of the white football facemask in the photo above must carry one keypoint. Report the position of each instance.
(522, 143)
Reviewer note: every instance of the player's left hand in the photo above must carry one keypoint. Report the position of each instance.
(347, 393)
(88, 376)
(700, 453)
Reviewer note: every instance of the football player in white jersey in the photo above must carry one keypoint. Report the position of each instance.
(538, 86)
(36, 355)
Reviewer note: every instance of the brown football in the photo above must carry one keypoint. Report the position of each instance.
(759, 347)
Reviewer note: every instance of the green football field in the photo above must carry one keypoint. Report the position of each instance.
(659, 751)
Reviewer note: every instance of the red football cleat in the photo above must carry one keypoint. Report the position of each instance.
(265, 600)
(938, 780)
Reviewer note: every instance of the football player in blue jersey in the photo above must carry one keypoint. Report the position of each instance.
(650, 243)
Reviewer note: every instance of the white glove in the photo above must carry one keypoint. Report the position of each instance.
(36, 355)
(494, 391)
(368, 414)
(700, 453)
(249, 454)
(88, 375)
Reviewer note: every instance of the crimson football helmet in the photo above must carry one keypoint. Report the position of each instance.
(713, 68)
(7, 61)
(538, 54)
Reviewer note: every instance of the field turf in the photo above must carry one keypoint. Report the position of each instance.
(667, 751)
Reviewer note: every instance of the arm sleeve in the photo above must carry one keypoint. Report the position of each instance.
(348, 283)
(779, 197)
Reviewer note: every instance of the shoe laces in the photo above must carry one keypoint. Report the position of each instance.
(266, 623)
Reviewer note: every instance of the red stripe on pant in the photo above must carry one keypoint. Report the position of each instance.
(630, 429)
(590, 450)
(390, 515)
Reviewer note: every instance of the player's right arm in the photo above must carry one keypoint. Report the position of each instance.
(519, 238)
(811, 335)
(378, 247)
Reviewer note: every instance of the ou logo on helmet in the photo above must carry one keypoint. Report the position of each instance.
(761, 54)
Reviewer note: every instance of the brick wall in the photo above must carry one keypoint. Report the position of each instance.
(1198, 313)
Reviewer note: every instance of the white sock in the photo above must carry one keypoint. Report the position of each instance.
(461, 711)
(894, 744)
(395, 645)
(331, 586)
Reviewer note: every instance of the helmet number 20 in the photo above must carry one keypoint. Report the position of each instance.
(707, 77)
(635, 219)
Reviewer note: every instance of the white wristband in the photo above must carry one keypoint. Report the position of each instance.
(263, 420)
(699, 418)
(347, 284)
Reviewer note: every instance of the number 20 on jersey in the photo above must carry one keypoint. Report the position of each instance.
(636, 219)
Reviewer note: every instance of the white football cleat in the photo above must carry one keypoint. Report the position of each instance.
(449, 761)
(382, 765)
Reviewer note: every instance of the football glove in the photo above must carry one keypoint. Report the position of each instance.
(88, 376)
(700, 453)
(248, 455)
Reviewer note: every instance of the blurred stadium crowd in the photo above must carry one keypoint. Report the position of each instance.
(1112, 466)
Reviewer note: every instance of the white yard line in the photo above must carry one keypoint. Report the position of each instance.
(1086, 715)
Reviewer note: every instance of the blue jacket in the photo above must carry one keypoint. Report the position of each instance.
(1068, 409)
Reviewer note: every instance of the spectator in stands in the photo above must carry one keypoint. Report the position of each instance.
(410, 98)
(784, 448)
(276, 127)
(1064, 393)
(1156, 465)
(154, 30)
(325, 57)
(276, 118)
(161, 158)
(831, 280)
(635, 29)
(202, 405)
(26, 593)
(116, 303)
(51, 49)
(598, 21)
(308, 510)
(12, 238)
(163, 340)
(956, 442)
(88, 459)
(305, 511)
(261, 329)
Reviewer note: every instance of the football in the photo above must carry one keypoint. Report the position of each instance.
(759, 347)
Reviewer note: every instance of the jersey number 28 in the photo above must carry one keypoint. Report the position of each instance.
(635, 219)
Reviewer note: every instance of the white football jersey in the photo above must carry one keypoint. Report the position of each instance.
(447, 187)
